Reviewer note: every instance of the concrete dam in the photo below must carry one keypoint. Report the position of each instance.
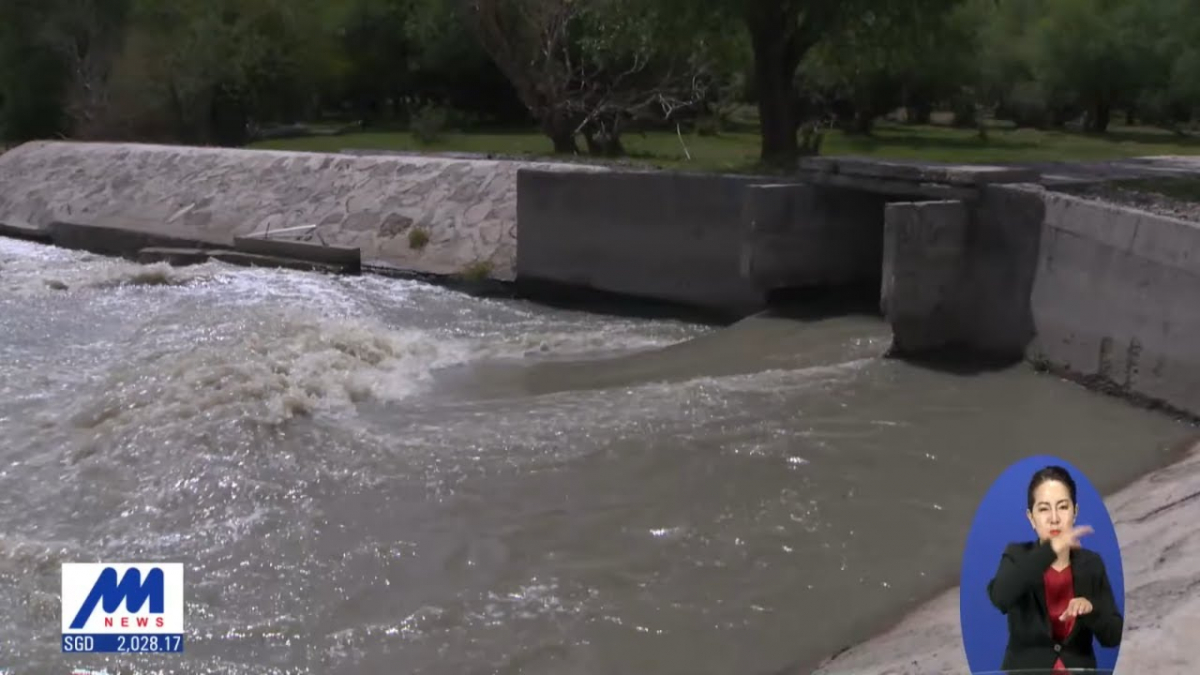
(371, 473)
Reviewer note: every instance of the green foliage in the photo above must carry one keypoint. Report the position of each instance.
(53, 54)
(215, 71)
(429, 123)
(479, 270)
(418, 239)
(708, 126)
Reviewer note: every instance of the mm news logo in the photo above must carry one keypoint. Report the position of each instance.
(122, 607)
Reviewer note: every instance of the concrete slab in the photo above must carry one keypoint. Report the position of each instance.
(1076, 173)
(116, 239)
(18, 230)
(971, 175)
(259, 260)
(889, 186)
(344, 256)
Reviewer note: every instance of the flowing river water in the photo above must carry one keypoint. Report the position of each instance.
(368, 475)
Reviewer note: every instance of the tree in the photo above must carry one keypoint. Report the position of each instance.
(585, 66)
(874, 64)
(782, 33)
(208, 71)
(377, 53)
(55, 59)
(1161, 41)
(87, 36)
(451, 68)
(1079, 60)
(33, 78)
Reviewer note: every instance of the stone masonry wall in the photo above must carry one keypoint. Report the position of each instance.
(467, 207)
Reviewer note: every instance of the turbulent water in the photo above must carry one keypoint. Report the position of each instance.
(365, 475)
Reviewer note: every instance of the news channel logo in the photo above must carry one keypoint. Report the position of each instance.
(122, 608)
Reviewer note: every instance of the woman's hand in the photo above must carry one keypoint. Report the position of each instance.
(1077, 607)
(1069, 539)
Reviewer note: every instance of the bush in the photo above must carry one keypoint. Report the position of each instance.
(429, 123)
(1027, 106)
(417, 238)
(708, 125)
(966, 114)
(479, 270)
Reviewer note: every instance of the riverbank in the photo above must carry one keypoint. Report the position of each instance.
(737, 149)
(1041, 261)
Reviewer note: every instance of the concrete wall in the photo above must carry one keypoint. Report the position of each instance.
(211, 195)
(1002, 255)
(959, 274)
(1116, 299)
(665, 236)
(803, 235)
(708, 241)
(1097, 291)
(924, 259)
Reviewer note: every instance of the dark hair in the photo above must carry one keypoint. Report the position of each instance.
(1048, 474)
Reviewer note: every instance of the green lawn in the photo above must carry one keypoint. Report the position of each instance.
(738, 151)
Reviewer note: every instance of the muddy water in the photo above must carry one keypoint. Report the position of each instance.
(365, 475)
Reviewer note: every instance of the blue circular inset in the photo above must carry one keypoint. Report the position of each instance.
(1001, 520)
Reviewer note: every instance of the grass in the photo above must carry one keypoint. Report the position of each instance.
(737, 151)
(417, 239)
(476, 271)
(1184, 189)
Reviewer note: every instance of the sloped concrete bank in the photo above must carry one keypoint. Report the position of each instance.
(1099, 293)
(417, 214)
(1156, 522)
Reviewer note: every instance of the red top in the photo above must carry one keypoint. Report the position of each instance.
(1060, 589)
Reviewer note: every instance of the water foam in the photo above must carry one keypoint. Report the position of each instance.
(32, 269)
(281, 365)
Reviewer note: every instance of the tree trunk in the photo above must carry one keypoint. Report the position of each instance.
(1058, 117)
(919, 113)
(863, 121)
(1099, 118)
(604, 144)
(777, 54)
(561, 133)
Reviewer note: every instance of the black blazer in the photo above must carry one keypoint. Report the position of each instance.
(1019, 592)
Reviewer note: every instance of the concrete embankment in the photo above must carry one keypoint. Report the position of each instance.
(1099, 292)
(722, 243)
(1116, 299)
(973, 259)
(464, 211)
(969, 260)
